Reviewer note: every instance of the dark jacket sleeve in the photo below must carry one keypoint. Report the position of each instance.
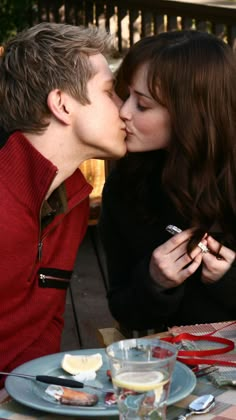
(134, 300)
(224, 290)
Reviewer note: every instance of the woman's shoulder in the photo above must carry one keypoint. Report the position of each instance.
(113, 180)
(135, 173)
(113, 194)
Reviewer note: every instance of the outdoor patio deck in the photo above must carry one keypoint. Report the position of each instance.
(90, 303)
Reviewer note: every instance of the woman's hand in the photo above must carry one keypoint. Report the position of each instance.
(216, 262)
(170, 263)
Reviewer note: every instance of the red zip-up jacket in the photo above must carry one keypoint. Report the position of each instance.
(32, 302)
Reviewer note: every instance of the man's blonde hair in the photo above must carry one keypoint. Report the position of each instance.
(42, 58)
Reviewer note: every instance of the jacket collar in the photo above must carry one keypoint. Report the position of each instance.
(29, 174)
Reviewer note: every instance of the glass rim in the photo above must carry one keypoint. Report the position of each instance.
(153, 341)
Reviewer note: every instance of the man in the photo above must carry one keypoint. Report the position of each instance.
(59, 108)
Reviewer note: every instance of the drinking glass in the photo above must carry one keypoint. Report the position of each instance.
(141, 371)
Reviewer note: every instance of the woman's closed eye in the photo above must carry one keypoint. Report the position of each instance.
(141, 108)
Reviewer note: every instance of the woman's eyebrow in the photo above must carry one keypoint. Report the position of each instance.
(142, 94)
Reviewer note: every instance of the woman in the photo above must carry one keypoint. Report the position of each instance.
(180, 115)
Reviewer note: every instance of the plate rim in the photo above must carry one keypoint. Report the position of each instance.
(72, 410)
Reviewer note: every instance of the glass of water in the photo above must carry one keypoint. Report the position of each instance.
(141, 371)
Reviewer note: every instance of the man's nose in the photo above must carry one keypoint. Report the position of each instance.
(118, 101)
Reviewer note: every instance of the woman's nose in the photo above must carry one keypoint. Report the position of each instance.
(125, 113)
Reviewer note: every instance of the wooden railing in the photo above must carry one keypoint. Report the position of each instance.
(131, 19)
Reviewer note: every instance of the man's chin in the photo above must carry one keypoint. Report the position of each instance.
(114, 153)
(117, 153)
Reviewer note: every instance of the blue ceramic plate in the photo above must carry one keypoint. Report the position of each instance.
(32, 393)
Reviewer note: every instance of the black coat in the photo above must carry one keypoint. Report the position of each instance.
(134, 299)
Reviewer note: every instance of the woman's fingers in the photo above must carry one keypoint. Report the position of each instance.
(216, 262)
(176, 241)
(220, 251)
(173, 268)
(191, 268)
(185, 259)
(171, 264)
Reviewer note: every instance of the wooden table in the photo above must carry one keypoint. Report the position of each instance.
(225, 408)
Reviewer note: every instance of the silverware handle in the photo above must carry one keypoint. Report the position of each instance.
(54, 380)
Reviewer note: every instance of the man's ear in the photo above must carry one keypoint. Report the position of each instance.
(59, 104)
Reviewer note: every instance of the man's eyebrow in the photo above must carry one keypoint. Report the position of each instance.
(142, 94)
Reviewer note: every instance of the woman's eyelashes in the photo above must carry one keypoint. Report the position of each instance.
(135, 100)
(141, 108)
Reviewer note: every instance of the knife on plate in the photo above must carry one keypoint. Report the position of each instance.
(54, 380)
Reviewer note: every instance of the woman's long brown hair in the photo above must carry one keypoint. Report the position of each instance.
(196, 76)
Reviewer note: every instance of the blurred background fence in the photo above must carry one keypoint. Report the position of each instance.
(129, 20)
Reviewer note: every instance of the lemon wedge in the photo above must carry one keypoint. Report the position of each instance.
(140, 381)
(84, 363)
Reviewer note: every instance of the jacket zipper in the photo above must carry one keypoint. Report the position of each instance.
(44, 277)
(40, 244)
(40, 249)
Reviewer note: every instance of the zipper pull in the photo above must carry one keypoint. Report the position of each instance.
(42, 277)
(40, 250)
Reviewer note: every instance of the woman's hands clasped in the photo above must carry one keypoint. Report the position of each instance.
(170, 264)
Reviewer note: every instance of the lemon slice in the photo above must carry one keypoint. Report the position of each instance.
(83, 363)
(140, 381)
